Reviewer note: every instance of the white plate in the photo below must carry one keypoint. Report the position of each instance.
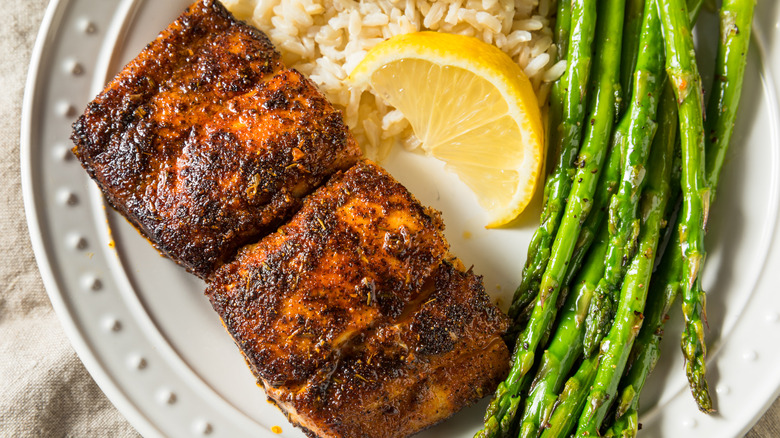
(150, 339)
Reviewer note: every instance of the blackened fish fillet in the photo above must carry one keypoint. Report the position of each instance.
(206, 142)
(355, 317)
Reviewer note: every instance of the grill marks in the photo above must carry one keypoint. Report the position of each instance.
(206, 142)
(356, 318)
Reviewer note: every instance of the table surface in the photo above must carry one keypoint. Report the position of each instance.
(45, 390)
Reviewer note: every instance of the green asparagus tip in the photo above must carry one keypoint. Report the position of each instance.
(694, 369)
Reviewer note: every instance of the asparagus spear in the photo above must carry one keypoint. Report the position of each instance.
(736, 18)
(631, 33)
(522, 303)
(632, 30)
(566, 346)
(617, 344)
(574, 87)
(646, 349)
(589, 165)
(634, 132)
(622, 132)
(684, 75)
(664, 287)
(572, 400)
(500, 413)
(559, 357)
(635, 153)
(623, 223)
(606, 187)
(558, 89)
(694, 6)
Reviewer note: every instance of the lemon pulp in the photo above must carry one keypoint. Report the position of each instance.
(471, 106)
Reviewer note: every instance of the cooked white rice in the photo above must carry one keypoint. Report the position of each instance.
(326, 39)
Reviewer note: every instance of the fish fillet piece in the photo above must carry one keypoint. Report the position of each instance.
(355, 317)
(206, 142)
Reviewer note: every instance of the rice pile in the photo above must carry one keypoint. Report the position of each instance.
(326, 39)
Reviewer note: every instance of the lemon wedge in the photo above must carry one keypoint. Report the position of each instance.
(471, 106)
